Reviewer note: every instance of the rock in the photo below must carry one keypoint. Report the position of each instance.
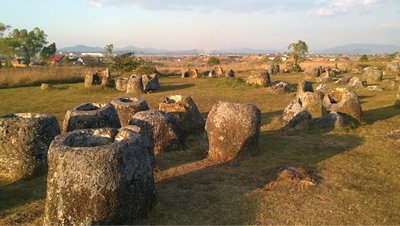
(261, 79)
(332, 120)
(304, 86)
(273, 68)
(372, 76)
(312, 102)
(217, 72)
(232, 128)
(99, 176)
(356, 82)
(135, 85)
(45, 86)
(24, 140)
(393, 67)
(345, 102)
(344, 80)
(185, 112)
(279, 87)
(92, 79)
(190, 73)
(327, 76)
(230, 74)
(167, 135)
(121, 84)
(295, 115)
(322, 88)
(91, 115)
(150, 83)
(127, 107)
(374, 88)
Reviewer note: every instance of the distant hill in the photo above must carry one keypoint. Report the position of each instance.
(357, 49)
(131, 48)
(81, 49)
(244, 50)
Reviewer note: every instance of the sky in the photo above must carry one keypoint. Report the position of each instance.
(208, 24)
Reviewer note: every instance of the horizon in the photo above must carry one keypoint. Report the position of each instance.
(209, 25)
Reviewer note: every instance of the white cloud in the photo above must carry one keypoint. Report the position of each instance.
(351, 6)
(209, 5)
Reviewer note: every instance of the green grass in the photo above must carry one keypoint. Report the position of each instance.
(359, 167)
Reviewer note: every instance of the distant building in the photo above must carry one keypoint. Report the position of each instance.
(58, 58)
(85, 60)
(93, 54)
(274, 56)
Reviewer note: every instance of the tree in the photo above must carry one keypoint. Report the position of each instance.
(364, 58)
(108, 51)
(298, 51)
(213, 61)
(48, 51)
(4, 47)
(124, 63)
(27, 43)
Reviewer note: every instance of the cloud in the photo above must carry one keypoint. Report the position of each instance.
(389, 25)
(351, 6)
(210, 5)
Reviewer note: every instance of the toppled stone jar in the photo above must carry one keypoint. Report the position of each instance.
(24, 140)
(91, 115)
(126, 107)
(99, 176)
(185, 112)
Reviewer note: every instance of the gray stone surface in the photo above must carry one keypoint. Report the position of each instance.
(135, 85)
(185, 112)
(232, 128)
(150, 83)
(343, 101)
(312, 102)
(259, 78)
(356, 82)
(167, 135)
(91, 115)
(24, 140)
(304, 86)
(295, 115)
(121, 84)
(372, 75)
(99, 176)
(331, 120)
(127, 107)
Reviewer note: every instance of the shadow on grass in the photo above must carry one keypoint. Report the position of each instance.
(378, 114)
(219, 193)
(21, 192)
(173, 87)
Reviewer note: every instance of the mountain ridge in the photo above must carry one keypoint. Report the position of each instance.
(350, 49)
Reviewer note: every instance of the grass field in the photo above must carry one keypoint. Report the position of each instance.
(358, 168)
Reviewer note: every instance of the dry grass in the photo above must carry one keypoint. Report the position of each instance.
(359, 172)
(18, 77)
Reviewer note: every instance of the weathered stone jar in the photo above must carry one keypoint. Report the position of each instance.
(185, 112)
(345, 102)
(98, 176)
(126, 107)
(167, 135)
(91, 115)
(24, 140)
(232, 128)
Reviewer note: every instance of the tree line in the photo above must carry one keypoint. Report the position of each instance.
(31, 45)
